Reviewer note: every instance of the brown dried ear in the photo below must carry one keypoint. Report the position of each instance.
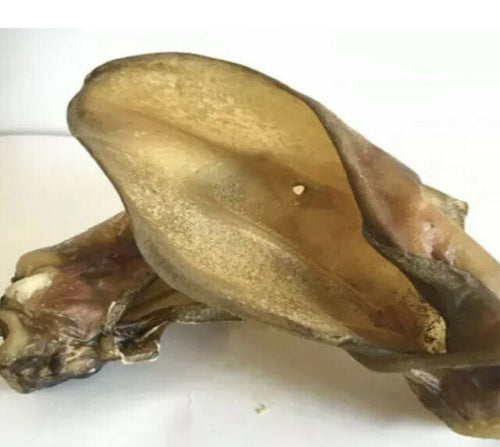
(207, 157)
(252, 197)
(239, 199)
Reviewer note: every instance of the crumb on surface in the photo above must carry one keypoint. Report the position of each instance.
(298, 189)
(261, 409)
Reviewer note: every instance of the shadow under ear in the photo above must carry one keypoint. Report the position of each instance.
(248, 359)
(321, 373)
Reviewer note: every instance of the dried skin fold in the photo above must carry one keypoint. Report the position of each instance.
(77, 305)
(467, 399)
(420, 230)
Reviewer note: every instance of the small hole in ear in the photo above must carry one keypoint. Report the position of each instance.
(298, 189)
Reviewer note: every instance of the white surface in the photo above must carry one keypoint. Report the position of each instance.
(423, 97)
(442, 15)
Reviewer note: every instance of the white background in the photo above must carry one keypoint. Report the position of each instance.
(428, 96)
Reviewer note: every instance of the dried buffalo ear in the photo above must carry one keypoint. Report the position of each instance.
(239, 199)
(249, 196)
(76, 305)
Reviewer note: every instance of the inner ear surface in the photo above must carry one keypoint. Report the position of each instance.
(206, 156)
